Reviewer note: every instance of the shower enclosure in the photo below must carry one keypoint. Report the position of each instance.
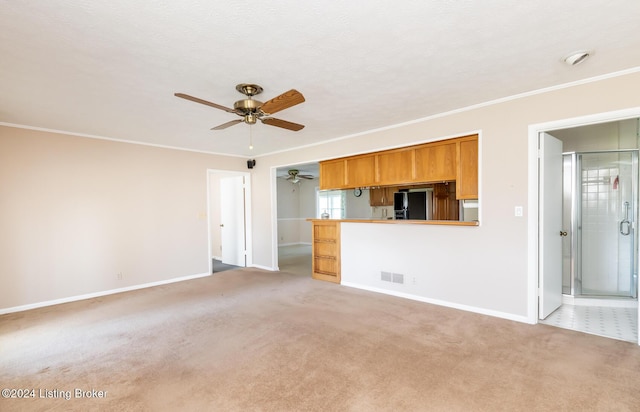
(600, 192)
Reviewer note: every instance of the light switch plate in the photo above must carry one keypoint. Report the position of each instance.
(518, 211)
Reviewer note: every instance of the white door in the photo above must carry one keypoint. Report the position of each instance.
(232, 220)
(551, 232)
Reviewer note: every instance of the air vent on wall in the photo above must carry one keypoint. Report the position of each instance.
(392, 277)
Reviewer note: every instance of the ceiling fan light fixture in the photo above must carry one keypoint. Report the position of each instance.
(576, 58)
(250, 118)
(251, 110)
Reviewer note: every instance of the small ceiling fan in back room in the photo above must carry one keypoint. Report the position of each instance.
(294, 176)
(251, 110)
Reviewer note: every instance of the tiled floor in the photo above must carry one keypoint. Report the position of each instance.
(611, 322)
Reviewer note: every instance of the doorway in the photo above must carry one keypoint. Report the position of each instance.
(229, 217)
(295, 193)
(597, 288)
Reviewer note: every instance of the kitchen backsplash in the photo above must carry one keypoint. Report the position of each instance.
(382, 212)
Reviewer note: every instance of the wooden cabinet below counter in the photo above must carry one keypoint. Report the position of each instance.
(325, 250)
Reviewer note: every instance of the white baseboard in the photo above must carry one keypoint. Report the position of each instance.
(265, 268)
(599, 301)
(294, 244)
(98, 294)
(482, 311)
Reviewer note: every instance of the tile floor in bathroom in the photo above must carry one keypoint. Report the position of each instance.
(611, 322)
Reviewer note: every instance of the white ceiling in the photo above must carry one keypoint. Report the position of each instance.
(110, 68)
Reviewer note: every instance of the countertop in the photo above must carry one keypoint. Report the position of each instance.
(401, 222)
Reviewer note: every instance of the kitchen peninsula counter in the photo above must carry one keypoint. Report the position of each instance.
(400, 221)
(326, 242)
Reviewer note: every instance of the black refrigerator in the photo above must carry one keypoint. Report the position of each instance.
(411, 205)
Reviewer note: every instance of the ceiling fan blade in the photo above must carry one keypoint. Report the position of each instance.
(227, 124)
(197, 100)
(306, 177)
(284, 101)
(282, 123)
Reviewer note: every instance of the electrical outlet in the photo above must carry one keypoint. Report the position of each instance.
(119, 275)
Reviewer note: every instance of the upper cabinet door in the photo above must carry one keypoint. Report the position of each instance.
(467, 181)
(332, 174)
(436, 162)
(361, 171)
(395, 167)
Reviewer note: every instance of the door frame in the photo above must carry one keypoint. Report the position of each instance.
(247, 213)
(533, 191)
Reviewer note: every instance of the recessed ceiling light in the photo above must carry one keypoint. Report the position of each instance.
(577, 57)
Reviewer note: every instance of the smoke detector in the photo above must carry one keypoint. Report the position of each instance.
(578, 57)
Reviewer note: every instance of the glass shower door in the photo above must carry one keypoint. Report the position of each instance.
(606, 237)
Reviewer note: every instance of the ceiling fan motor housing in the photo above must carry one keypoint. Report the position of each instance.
(249, 109)
(247, 106)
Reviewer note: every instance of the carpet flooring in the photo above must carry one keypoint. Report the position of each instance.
(218, 266)
(252, 340)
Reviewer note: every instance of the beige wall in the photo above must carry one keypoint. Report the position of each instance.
(478, 268)
(296, 203)
(75, 212)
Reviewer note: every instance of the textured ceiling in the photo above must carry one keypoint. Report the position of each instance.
(110, 68)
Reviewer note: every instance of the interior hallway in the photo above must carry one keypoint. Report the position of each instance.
(295, 259)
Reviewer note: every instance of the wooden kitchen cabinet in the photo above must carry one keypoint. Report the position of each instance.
(395, 167)
(332, 174)
(467, 173)
(443, 161)
(382, 196)
(436, 162)
(326, 250)
(445, 206)
(361, 171)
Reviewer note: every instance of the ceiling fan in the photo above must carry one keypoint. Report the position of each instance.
(251, 110)
(295, 176)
